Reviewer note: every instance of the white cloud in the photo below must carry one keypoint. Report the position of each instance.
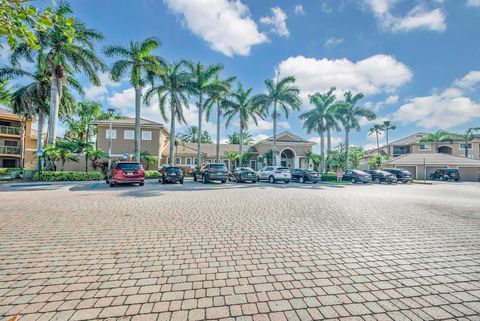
(277, 21)
(473, 3)
(443, 110)
(325, 8)
(365, 122)
(469, 81)
(417, 18)
(264, 125)
(259, 137)
(299, 10)
(374, 75)
(373, 137)
(332, 42)
(123, 100)
(316, 139)
(225, 25)
(99, 93)
(390, 100)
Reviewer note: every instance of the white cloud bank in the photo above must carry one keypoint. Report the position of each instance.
(469, 81)
(373, 75)
(420, 17)
(277, 21)
(225, 25)
(473, 3)
(299, 11)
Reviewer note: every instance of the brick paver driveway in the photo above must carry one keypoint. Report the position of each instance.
(240, 252)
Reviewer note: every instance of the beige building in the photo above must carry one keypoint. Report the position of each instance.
(422, 159)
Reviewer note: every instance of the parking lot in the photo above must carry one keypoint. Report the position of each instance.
(85, 251)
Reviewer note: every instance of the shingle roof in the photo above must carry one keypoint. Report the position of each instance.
(432, 159)
(208, 150)
(412, 139)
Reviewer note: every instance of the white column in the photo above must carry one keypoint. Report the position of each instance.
(296, 163)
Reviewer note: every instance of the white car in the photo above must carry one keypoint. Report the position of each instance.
(274, 173)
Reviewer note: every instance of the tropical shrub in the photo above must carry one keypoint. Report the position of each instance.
(50, 176)
(8, 171)
(152, 174)
(329, 177)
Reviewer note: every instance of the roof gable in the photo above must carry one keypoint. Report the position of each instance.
(288, 136)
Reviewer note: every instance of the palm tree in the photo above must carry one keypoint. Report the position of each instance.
(241, 104)
(5, 94)
(387, 126)
(217, 98)
(281, 93)
(377, 129)
(190, 135)
(172, 93)
(148, 158)
(436, 138)
(234, 138)
(64, 55)
(321, 119)
(204, 80)
(232, 156)
(349, 115)
(141, 64)
(312, 158)
(471, 134)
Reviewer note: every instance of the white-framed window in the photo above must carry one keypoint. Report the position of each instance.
(178, 160)
(425, 147)
(188, 161)
(253, 165)
(113, 134)
(195, 161)
(128, 134)
(462, 146)
(146, 135)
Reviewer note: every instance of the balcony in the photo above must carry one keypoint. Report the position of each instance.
(10, 150)
(9, 130)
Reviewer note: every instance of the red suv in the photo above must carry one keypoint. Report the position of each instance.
(126, 173)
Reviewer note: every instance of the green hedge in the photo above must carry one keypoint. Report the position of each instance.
(329, 177)
(8, 171)
(152, 174)
(47, 176)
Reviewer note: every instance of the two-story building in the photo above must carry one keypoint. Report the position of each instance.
(422, 159)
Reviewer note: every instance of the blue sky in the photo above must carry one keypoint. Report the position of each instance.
(417, 61)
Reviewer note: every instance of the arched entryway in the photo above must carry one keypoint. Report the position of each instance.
(287, 158)
(445, 150)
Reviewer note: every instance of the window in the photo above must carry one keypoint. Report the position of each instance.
(114, 134)
(253, 164)
(195, 161)
(463, 145)
(146, 135)
(401, 150)
(128, 134)
(188, 161)
(178, 161)
(425, 147)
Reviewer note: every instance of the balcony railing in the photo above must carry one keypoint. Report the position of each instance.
(10, 150)
(9, 130)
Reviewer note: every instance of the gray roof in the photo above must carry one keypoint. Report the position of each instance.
(208, 150)
(432, 159)
(412, 139)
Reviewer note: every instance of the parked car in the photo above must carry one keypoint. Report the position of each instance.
(446, 174)
(243, 174)
(305, 175)
(379, 176)
(126, 173)
(171, 174)
(274, 173)
(211, 172)
(355, 176)
(402, 175)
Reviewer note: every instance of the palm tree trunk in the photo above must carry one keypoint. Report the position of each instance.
(217, 150)
(172, 133)
(138, 97)
(378, 145)
(329, 140)
(241, 143)
(274, 146)
(322, 151)
(386, 137)
(199, 135)
(55, 88)
(39, 141)
(346, 148)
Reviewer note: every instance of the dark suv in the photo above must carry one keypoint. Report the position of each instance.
(403, 175)
(379, 176)
(444, 174)
(171, 174)
(305, 175)
(211, 172)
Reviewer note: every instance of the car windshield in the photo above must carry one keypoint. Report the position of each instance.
(282, 169)
(245, 169)
(172, 169)
(383, 172)
(405, 172)
(129, 166)
(359, 172)
(218, 166)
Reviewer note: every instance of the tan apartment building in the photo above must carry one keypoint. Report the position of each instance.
(18, 141)
(422, 159)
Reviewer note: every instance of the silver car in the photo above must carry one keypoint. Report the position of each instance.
(274, 173)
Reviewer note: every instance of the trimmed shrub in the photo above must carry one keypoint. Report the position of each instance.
(152, 174)
(48, 176)
(329, 177)
(8, 171)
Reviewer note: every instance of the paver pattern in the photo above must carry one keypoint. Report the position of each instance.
(240, 252)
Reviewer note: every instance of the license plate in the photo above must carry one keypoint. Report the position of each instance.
(174, 174)
(129, 174)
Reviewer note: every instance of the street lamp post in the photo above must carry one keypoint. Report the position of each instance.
(110, 114)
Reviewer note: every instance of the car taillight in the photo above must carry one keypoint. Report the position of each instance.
(118, 171)
(140, 171)
(164, 173)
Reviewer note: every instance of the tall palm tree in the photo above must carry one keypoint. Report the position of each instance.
(64, 55)
(190, 135)
(436, 138)
(241, 104)
(141, 64)
(471, 134)
(280, 93)
(217, 98)
(377, 129)
(349, 115)
(204, 80)
(234, 138)
(387, 127)
(320, 119)
(172, 93)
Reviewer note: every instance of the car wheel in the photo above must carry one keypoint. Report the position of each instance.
(181, 181)
(365, 182)
(353, 180)
(194, 178)
(301, 180)
(377, 180)
(271, 180)
(205, 180)
(389, 182)
(224, 181)
(287, 182)
(254, 181)
(141, 184)
(163, 181)
(112, 184)
(258, 178)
